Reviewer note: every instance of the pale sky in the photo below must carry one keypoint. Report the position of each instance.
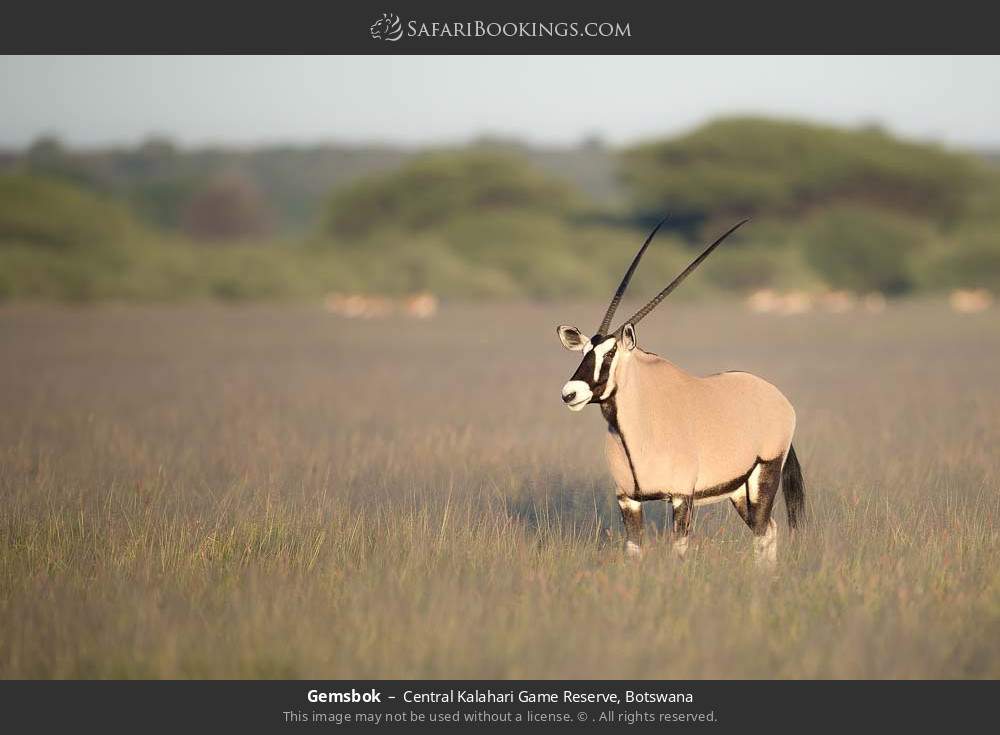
(443, 99)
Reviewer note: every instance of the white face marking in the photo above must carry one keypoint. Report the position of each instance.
(583, 394)
(599, 352)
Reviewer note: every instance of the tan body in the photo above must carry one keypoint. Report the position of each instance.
(687, 435)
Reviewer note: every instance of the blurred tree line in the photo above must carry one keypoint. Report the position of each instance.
(851, 209)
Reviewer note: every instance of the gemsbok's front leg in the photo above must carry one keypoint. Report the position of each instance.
(682, 523)
(632, 519)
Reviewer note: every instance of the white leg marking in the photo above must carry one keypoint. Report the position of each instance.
(754, 484)
(765, 548)
(681, 546)
(631, 513)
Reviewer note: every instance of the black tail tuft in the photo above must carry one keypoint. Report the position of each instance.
(794, 489)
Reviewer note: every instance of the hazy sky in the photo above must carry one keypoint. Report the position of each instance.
(420, 99)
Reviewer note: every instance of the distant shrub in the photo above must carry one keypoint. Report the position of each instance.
(433, 189)
(972, 262)
(750, 165)
(408, 263)
(48, 158)
(744, 269)
(6, 285)
(852, 209)
(864, 249)
(229, 207)
(545, 257)
(163, 203)
(58, 215)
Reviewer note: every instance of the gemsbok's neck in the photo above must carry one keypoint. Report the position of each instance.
(641, 377)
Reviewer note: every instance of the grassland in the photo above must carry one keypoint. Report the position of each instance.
(272, 492)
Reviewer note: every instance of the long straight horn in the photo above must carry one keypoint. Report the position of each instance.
(603, 329)
(677, 281)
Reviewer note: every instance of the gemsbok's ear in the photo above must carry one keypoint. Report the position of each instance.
(628, 337)
(572, 338)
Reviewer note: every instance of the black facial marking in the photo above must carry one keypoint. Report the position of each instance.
(585, 372)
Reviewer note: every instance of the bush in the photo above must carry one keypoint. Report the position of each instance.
(972, 262)
(744, 269)
(751, 165)
(57, 215)
(545, 257)
(227, 208)
(863, 249)
(485, 223)
(432, 190)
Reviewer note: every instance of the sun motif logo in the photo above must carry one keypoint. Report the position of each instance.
(387, 28)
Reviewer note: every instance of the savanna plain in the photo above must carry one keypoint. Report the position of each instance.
(272, 491)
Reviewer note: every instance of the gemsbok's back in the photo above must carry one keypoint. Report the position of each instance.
(689, 440)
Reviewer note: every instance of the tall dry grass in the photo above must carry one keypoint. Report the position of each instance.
(272, 492)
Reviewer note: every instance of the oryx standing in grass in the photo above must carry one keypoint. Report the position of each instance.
(688, 440)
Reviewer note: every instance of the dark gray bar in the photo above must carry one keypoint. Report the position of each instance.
(528, 706)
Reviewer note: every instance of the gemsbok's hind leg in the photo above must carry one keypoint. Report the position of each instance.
(632, 519)
(755, 504)
(682, 523)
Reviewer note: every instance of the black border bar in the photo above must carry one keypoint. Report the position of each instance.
(344, 28)
(591, 706)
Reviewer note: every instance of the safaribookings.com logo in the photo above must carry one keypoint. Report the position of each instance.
(390, 28)
(387, 28)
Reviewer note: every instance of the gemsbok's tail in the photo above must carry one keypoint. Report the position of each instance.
(794, 489)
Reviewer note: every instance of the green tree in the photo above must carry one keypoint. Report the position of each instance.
(39, 211)
(230, 207)
(752, 165)
(864, 249)
(971, 262)
(432, 190)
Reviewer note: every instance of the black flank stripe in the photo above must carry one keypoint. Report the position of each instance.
(610, 410)
(727, 487)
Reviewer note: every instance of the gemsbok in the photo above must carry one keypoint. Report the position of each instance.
(684, 439)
